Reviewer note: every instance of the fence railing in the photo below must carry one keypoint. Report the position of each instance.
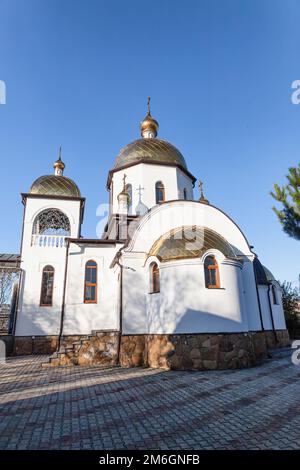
(48, 241)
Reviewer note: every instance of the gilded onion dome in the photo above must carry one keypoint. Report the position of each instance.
(57, 184)
(149, 148)
(149, 126)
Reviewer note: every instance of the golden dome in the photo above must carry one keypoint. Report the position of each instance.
(52, 185)
(152, 151)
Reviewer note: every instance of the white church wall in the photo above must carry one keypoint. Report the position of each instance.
(185, 305)
(184, 182)
(80, 317)
(32, 319)
(172, 215)
(135, 290)
(265, 307)
(251, 299)
(277, 309)
(146, 176)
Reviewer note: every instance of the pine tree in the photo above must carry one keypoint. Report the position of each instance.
(289, 197)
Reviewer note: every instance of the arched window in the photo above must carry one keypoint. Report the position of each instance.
(159, 192)
(90, 283)
(129, 192)
(154, 278)
(274, 295)
(184, 193)
(211, 269)
(51, 222)
(47, 286)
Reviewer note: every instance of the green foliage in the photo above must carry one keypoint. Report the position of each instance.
(289, 197)
(290, 303)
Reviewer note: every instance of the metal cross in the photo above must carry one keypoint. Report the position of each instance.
(140, 189)
(200, 184)
(148, 104)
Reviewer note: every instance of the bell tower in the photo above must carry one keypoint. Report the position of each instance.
(53, 211)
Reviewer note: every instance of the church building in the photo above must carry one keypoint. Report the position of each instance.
(172, 283)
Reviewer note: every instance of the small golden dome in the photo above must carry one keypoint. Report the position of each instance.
(124, 194)
(52, 185)
(149, 126)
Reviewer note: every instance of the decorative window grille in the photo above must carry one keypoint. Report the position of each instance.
(51, 222)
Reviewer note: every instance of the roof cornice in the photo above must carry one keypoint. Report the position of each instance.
(149, 162)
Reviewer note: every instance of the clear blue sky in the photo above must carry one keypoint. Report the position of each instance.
(219, 72)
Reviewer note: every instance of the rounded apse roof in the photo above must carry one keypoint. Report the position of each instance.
(152, 150)
(52, 185)
(190, 242)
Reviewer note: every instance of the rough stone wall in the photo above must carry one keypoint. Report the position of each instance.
(167, 351)
(200, 351)
(132, 351)
(100, 349)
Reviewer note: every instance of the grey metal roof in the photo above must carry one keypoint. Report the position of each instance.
(262, 274)
(10, 259)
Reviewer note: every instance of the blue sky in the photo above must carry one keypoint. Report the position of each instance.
(219, 72)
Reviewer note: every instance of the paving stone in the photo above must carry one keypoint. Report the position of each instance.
(95, 408)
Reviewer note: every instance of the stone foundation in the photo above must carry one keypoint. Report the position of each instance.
(165, 351)
(200, 351)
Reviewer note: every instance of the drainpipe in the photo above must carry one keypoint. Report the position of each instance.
(271, 314)
(63, 297)
(13, 332)
(259, 304)
(120, 311)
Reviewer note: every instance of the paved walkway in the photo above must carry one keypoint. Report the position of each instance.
(90, 408)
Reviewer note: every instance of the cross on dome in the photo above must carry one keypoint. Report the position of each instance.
(59, 165)
(149, 126)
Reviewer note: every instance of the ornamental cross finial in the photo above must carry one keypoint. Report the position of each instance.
(59, 153)
(202, 197)
(200, 184)
(148, 105)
